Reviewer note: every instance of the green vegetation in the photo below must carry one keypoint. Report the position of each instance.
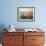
(26, 17)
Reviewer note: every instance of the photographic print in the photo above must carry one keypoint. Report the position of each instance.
(26, 14)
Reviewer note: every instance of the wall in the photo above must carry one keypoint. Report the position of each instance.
(9, 13)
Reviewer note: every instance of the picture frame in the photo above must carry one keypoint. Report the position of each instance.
(26, 14)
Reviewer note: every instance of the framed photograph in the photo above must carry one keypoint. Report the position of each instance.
(26, 14)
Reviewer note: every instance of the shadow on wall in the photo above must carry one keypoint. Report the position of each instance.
(2, 26)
